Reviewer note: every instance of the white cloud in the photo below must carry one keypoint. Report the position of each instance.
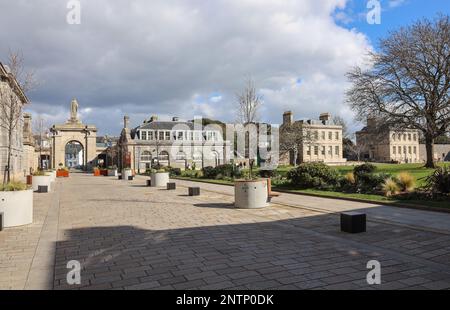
(153, 57)
(396, 3)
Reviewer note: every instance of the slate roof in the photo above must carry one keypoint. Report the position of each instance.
(164, 125)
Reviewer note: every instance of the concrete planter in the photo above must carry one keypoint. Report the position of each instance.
(112, 172)
(45, 180)
(160, 179)
(126, 173)
(52, 175)
(17, 208)
(250, 194)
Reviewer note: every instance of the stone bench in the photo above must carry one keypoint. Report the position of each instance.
(194, 191)
(353, 222)
(171, 186)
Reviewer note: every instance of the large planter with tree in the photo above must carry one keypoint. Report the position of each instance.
(52, 174)
(16, 204)
(126, 173)
(250, 194)
(40, 179)
(159, 178)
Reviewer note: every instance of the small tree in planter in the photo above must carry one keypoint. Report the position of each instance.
(16, 204)
(250, 192)
(159, 178)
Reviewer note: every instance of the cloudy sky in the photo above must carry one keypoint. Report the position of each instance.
(189, 57)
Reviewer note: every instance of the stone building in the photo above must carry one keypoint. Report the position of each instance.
(175, 143)
(387, 145)
(321, 140)
(10, 87)
(30, 160)
(441, 153)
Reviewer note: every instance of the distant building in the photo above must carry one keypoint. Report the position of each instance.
(321, 142)
(387, 145)
(175, 143)
(441, 153)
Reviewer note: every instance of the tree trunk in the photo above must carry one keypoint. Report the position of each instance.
(429, 145)
(8, 163)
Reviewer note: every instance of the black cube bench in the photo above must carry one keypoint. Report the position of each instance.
(194, 191)
(42, 189)
(353, 222)
(119, 177)
(130, 178)
(149, 183)
(1, 221)
(171, 186)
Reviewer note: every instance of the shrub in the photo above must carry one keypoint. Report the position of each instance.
(39, 173)
(13, 187)
(390, 187)
(225, 170)
(268, 173)
(439, 181)
(406, 181)
(175, 171)
(314, 175)
(364, 169)
(209, 172)
(371, 182)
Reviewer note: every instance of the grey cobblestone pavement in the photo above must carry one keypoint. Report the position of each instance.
(128, 236)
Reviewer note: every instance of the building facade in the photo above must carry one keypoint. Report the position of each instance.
(11, 90)
(175, 143)
(441, 153)
(386, 145)
(318, 140)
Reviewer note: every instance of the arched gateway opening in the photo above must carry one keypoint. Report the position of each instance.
(74, 155)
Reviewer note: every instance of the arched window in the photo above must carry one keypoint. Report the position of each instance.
(197, 156)
(146, 156)
(181, 156)
(163, 155)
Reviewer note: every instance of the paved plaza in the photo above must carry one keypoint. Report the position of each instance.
(128, 236)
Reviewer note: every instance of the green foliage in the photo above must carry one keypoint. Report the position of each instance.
(268, 173)
(222, 171)
(364, 169)
(13, 187)
(314, 175)
(39, 173)
(439, 181)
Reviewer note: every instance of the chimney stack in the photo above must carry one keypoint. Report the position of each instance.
(288, 118)
(154, 118)
(175, 119)
(325, 118)
(126, 121)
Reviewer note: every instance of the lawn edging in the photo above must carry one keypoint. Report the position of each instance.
(287, 191)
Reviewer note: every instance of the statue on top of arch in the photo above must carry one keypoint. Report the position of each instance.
(74, 112)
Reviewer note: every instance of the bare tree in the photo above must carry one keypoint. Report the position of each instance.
(10, 116)
(408, 84)
(338, 120)
(293, 137)
(40, 127)
(248, 103)
(26, 78)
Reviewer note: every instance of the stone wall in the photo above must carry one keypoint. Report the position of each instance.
(441, 152)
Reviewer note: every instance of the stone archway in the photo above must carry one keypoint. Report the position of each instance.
(74, 131)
